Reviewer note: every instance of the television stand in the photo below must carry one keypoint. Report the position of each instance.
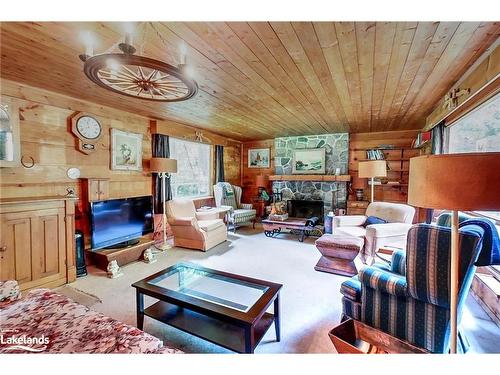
(123, 256)
(123, 245)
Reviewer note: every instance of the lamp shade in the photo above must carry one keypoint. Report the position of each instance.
(372, 168)
(160, 165)
(261, 180)
(461, 182)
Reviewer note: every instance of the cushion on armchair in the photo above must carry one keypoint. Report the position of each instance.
(384, 281)
(398, 262)
(374, 220)
(208, 225)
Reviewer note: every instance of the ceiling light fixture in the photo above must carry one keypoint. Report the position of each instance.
(139, 76)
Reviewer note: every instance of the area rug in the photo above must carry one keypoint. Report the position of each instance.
(310, 300)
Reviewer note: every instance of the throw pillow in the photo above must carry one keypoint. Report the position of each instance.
(374, 220)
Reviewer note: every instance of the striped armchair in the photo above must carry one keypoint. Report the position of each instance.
(410, 298)
(229, 195)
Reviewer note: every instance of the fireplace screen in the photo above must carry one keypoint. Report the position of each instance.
(306, 209)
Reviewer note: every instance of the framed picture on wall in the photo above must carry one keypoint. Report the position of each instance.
(259, 158)
(126, 151)
(309, 161)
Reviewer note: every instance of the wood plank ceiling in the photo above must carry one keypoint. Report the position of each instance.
(261, 80)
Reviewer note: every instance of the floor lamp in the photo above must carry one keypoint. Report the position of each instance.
(164, 167)
(371, 169)
(456, 182)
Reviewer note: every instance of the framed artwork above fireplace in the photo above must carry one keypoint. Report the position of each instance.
(309, 161)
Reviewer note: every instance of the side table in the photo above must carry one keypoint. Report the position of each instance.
(259, 205)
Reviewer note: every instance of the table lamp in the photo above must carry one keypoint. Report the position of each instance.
(164, 166)
(456, 182)
(371, 169)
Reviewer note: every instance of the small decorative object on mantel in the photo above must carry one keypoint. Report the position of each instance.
(87, 129)
(259, 158)
(149, 256)
(309, 161)
(114, 270)
(451, 99)
(126, 151)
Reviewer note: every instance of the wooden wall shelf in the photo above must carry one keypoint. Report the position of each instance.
(311, 177)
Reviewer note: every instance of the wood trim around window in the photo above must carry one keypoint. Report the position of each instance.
(475, 100)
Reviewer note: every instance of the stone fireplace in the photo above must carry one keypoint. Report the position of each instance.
(332, 194)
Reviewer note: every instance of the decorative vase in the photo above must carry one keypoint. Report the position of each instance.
(359, 194)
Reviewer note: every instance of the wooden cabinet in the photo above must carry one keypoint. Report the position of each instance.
(37, 242)
(97, 189)
(357, 207)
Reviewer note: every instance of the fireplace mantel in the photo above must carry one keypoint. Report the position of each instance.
(311, 177)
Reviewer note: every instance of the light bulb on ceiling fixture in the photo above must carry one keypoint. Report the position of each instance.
(126, 46)
(114, 67)
(88, 41)
(183, 52)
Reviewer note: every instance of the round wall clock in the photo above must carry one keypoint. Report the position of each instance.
(88, 129)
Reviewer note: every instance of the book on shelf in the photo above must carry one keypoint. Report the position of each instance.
(375, 154)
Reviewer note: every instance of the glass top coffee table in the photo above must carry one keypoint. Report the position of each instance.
(220, 307)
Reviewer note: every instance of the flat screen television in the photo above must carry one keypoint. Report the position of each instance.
(118, 223)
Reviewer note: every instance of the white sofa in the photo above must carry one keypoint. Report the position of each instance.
(194, 230)
(399, 219)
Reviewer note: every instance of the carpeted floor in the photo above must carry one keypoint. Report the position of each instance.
(310, 300)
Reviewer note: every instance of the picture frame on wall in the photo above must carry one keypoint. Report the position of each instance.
(309, 161)
(126, 151)
(259, 158)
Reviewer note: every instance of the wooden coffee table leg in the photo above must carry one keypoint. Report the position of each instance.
(140, 309)
(249, 340)
(277, 322)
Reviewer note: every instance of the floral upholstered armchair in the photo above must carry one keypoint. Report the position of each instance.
(230, 195)
(410, 299)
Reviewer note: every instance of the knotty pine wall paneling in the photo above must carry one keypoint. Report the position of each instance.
(46, 137)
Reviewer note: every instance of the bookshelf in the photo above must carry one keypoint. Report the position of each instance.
(398, 161)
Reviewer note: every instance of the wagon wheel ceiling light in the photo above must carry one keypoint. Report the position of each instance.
(139, 76)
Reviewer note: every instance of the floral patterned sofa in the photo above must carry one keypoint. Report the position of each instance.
(59, 325)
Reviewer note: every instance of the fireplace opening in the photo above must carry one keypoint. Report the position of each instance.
(306, 209)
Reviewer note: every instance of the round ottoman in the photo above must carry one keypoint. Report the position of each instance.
(338, 252)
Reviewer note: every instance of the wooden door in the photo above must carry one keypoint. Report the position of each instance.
(15, 246)
(48, 244)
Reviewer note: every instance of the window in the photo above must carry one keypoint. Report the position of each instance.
(193, 168)
(478, 131)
